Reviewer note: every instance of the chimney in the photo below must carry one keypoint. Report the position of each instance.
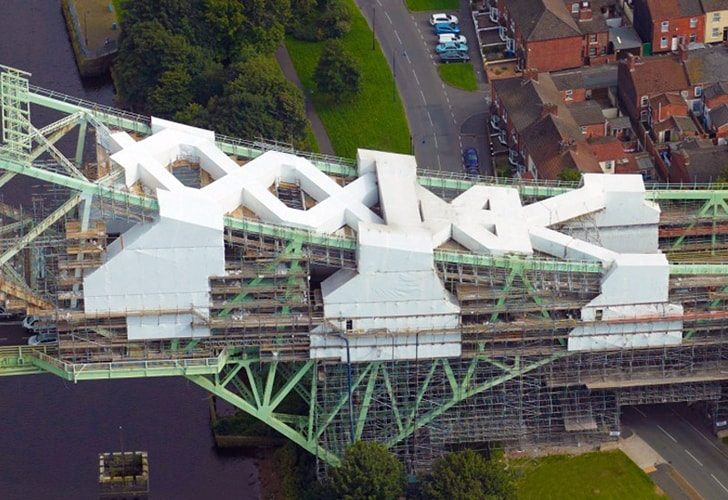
(530, 74)
(631, 61)
(567, 145)
(549, 108)
(682, 52)
(585, 12)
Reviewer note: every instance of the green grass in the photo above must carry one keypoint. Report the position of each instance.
(433, 4)
(311, 144)
(370, 119)
(117, 8)
(602, 475)
(460, 75)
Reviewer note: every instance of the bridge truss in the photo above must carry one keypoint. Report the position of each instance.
(515, 383)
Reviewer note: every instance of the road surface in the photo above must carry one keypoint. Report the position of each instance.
(437, 113)
(677, 434)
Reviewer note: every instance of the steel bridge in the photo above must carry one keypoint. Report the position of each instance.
(515, 382)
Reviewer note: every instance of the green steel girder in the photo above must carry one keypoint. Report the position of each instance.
(715, 202)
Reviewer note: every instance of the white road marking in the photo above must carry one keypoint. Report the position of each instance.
(639, 411)
(379, 3)
(693, 457)
(666, 433)
(423, 96)
(717, 481)
(386, 14)
(398, 38)
(432, 124)
(416, 79)
(435, 137)
(699, 432)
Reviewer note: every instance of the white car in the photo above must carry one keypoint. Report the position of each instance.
(451, 37)
(443, 18)
(30, 323)
(43, 338)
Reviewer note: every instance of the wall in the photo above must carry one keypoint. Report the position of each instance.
(720, 25)
(553, 55)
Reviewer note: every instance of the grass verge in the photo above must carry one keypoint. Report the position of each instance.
(371, 119)
(433, 4)
(603, 475)
(460, 75)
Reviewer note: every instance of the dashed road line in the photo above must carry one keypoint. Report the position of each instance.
(379, 3)
(435, 138)
(693, 457)
(429, 116)
(666, 433)
(639, 411)
(416, 79)
(386, 14)
(711, 443)
(717, 481)
(398, 38)
(423, 96)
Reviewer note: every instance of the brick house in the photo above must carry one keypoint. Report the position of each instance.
(550, 35)
(699, 161)
(667, 24)
(716, 20)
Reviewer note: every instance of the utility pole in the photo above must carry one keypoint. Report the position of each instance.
(85, 27)
(374, 25)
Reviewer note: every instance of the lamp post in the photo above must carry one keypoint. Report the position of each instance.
(85, 27)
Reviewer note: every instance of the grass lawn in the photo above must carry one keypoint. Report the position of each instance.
(433, 4)
(593, 475)
(460, 75)
(370, 119)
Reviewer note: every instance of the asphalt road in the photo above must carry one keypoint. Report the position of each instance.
(437, 113)
(11, 333)
(682, 439)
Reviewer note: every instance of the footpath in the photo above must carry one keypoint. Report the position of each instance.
(319, 131)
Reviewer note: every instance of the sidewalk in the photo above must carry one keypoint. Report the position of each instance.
(289, 71)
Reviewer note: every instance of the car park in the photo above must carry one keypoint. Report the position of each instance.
(441, 17)
(471, 162)
(454, 56)
(446, 47)
(450, 37)
(441, 28)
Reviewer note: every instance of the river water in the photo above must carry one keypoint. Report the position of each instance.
(52, 431)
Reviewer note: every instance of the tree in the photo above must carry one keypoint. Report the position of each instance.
(569, 175)
(172, 93)
(335, 20)
(368, 471)
(259, 102)
(465, 475)
(337, 73)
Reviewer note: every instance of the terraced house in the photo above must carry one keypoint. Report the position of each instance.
(716, 20)
(667, 24)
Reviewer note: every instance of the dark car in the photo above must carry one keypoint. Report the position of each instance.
(454, 55)
(470, 161)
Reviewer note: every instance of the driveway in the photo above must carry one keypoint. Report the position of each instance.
(438, 114)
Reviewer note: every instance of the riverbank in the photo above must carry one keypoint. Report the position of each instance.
(93, 29)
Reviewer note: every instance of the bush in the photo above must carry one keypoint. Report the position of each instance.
(466, 475)
(368, 471)
(337, 73)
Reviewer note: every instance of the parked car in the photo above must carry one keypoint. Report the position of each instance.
(43, 338)
(441, 17)
(449, 37)
(441, 28)
(446, 47)
(470, 161)
(454, 55)
(30, 323)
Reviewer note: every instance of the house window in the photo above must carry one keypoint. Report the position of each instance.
(575, 8)
(665, 26)
(716, 32)
(599, 314)
(716, 17)
(583, 130)
(593, 38)
(592, 51)
(692, 38)
(644, 101)
(698, 91)
(569, 95)
(693, 22)
(663, 42)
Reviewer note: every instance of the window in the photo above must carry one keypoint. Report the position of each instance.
(349, 325)
(665, 26)
(592, 51)
(692, 38)
(693, 22)
(583, 130)
(698, 91)
(569, 95)
(575, 8)
(599, 314)
(716, 32)
(593, 38)
(644, 101)
(663, 42)
(716, 17)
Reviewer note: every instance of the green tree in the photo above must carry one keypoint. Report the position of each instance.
(337, 73)
(368, 471)
(172, 93)
(227, 23)
(259, 102)
(335, 20)
(265, 23)
(465, 475)
(569, 175)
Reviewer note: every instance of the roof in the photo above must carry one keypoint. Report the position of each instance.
(543, 19)
(705, 164)
(598, 21)
(714, 5)
(607, 148)
(591, 77)
(709, 64)
(657, 74)
(715, 90)
(619, 123)
(668, 99)
(624, 37)
(680, 123)
(524, 99)
(719, 116)
(670, 9)
(586, 113)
